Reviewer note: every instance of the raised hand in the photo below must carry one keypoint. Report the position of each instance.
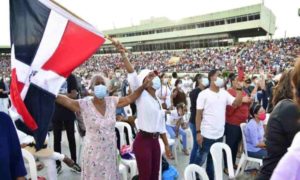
(119, 46)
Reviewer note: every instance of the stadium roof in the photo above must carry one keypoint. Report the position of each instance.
(161, 22)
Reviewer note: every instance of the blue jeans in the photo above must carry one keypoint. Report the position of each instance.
(171, 131)
(194, 158)
(205, 154)
(259, 154)
(262, 97)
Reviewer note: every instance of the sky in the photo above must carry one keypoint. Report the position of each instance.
(111, 14)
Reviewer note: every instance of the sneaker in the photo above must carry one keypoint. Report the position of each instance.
(76, 168)
(58, 169)
(226, 171)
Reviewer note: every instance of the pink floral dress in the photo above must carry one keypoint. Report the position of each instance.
(99, 160)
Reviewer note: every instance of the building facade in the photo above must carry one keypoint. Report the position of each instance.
(215, 29)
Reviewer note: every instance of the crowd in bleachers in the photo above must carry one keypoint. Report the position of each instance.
(5, 65)
(273, 55)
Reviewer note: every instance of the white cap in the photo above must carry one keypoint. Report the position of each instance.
(142, 75)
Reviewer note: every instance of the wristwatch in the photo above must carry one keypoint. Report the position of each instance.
(198, 131)
(239, 89)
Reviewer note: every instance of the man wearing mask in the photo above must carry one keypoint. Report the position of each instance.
(115, 84)
(210, 116)
(151, 121)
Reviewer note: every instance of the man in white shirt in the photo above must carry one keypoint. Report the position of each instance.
(210, 117)
(151, 121)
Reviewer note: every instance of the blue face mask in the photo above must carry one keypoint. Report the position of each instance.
(156, 84)
(205, 82)
(100, 91)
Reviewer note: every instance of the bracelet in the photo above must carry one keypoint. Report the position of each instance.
(198, 131)
(239, 89)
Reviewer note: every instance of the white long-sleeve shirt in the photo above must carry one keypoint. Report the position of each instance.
(150, 115)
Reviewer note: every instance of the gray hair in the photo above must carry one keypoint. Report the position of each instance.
(94, 79)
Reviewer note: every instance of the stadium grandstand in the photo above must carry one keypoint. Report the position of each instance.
(211, 30)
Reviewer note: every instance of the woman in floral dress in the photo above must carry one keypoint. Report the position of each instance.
(100, 150)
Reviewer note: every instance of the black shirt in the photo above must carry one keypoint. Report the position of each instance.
(4, 88)
(61, 112)
(193, 97)
(282, 126)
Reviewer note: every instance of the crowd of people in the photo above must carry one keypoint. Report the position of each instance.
(260, 91)
(273, 55)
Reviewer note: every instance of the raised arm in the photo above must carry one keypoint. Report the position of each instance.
(239, 95)
(119, 46)
(262, 81)
(124, 101)
(67, 102)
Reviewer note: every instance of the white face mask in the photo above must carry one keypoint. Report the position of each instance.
(118, 74)
(205, 82)
(179, 85)
(219, 82)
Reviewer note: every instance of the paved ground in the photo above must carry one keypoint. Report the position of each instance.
(67, 174)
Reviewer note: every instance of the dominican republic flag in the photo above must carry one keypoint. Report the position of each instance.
(47, 44)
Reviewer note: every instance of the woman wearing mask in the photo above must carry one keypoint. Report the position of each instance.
(200, 84)
(164, 93)
(234, 117)
(99, 116)
(178, 95)
(151, 121)
(283, 123)
(254, 132)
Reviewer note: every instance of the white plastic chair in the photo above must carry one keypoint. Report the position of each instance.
(123, 171)
(121, 127)
(216, 152)
(31, 162)
(189, 136)
(193, 169)
(128, 163)
(175, 143)
(245, 158)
